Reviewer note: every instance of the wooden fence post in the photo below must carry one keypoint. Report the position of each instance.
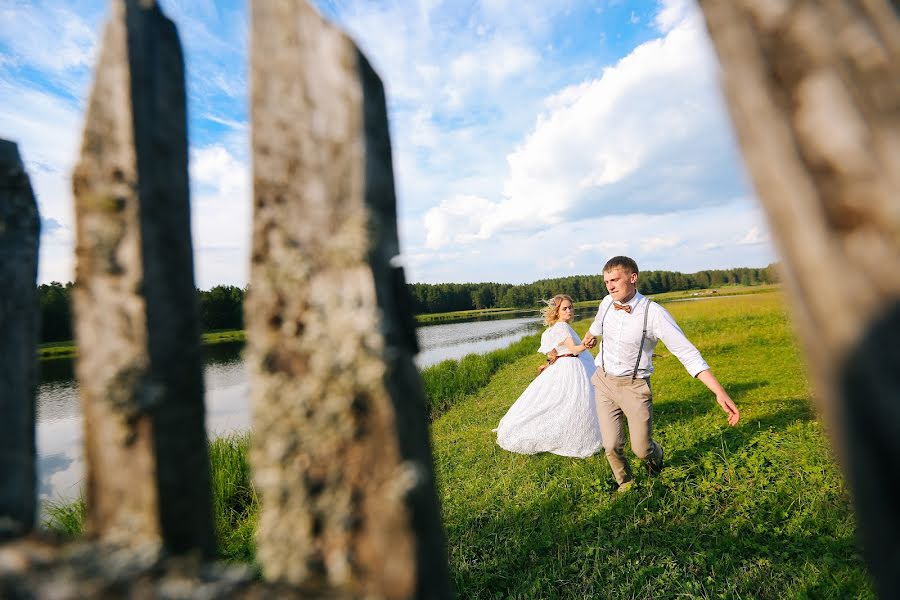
(814, 92)
(340, 449)
(19, 233)
(136, 318)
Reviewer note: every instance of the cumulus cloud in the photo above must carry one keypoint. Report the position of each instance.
(754, 236)
(652, 244)
(687, 241)
(671, 13)
(220, 215)
(486, 66)
(449, 222)
(649, 136)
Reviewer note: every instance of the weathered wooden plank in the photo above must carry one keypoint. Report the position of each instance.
(33, 567)
(19, 236)
(139, 365)
(340, 452)
(814, 93)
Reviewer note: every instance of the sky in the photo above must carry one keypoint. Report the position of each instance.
(531, 139)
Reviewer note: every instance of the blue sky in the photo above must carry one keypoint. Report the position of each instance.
(531, 139)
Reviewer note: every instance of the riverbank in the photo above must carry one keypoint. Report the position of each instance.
(68, 349)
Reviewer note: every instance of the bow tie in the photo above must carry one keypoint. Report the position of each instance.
(625, 307)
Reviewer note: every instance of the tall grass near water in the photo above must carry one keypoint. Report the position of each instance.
(449, 381)
(235, 505)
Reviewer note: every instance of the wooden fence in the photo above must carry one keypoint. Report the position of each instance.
(341, 453)
(340, 448)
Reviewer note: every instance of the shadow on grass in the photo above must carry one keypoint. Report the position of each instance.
(660, 540)
(698, 535)
(701, 403)
(734, 438)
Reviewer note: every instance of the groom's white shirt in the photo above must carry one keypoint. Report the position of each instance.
(621, 335)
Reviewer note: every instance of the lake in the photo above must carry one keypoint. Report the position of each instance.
(60, 466)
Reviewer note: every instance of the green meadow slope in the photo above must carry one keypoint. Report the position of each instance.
(756, 511)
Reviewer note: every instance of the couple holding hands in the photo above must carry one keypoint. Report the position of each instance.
(579, 404)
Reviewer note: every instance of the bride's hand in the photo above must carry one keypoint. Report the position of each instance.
(588, 340)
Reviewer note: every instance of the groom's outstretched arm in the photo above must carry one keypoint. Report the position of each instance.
(722, 397)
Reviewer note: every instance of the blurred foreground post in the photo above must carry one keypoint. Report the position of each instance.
(341, 454)
(135, 305)
(814, 92)
(19, 232)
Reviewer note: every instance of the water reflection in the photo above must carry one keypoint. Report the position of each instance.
(60, 465)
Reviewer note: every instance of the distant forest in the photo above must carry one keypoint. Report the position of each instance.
(446, 297)
(222, 307)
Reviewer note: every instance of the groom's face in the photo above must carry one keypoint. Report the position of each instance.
(620, 283)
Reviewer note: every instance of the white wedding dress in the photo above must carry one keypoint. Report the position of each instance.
(556, 412)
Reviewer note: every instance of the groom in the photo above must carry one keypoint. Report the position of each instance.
(630, 325)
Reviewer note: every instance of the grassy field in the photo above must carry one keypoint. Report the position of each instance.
(756, 511)
(67, 349)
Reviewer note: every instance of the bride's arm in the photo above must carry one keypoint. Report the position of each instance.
(570, 345)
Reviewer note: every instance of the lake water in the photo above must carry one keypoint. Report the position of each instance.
(60, 465)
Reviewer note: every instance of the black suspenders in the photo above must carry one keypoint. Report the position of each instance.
(603, 326)
(640, 347)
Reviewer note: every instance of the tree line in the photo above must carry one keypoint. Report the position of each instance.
(446, 297)
(222, 307)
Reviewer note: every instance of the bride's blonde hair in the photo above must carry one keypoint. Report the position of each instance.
(551, 312)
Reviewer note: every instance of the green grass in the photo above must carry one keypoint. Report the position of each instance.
(64, 518)
(229, 335)
(458, 315)
(756, 511)
(49, 350)
(234, 501)
(67, 349)
(449, 381)
(721, 291)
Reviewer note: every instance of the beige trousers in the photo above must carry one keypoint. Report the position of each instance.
(619, 397)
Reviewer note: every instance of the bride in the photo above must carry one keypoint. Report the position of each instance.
(556, 412)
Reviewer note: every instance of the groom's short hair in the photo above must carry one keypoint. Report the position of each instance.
(621, 262)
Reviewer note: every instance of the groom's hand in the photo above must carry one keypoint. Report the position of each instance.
(729, 407)
(552, 356)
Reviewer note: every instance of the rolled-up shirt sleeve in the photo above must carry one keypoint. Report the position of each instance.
(667, 330)
(596, 327)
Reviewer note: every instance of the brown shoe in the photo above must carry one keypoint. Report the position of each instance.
(624, 487)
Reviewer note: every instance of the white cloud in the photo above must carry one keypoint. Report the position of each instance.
(216, 167)
(57, 39)
(648, 136)
(489, 65)
(662, 242)
(673, 12)
(220, 216)
(687, 241)
(445, 223)
(753, 237)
